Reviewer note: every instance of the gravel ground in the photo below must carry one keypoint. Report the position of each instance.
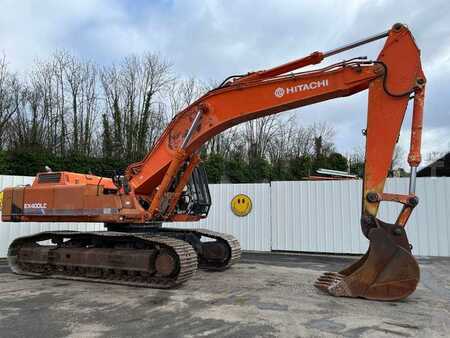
(266, 295)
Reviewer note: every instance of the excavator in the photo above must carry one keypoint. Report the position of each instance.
(170, 185)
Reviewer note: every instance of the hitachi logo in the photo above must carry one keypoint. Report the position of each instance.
(280, 92)
(35, 205)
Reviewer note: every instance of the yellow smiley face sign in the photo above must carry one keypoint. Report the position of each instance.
(241, 205)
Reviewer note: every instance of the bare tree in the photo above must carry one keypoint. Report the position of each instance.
(183, 92)
(257, 135)
(59, 125)
(323, 138)
(89, 106)
(74, 76)
(226, 143)
(9, 97)
(303, 142)
(112, 93)
(82, 83)
(283, 143)
(132, 92)
(34, 123)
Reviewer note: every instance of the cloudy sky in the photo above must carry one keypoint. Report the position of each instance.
(211, 39)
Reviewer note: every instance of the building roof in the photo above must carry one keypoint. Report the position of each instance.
(439, 168)
(328, 174)
(337, 173)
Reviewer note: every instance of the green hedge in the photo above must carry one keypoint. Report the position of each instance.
(235, 170)
(28, 163)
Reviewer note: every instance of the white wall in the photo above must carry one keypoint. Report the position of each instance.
(297, 216)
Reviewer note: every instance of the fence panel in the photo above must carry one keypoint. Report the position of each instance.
(323, 216)
(253, 230)
(317, 216)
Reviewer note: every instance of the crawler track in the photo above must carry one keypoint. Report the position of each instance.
(229, 255)
(145, 260)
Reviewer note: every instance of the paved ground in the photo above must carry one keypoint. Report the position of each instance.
(263, 296)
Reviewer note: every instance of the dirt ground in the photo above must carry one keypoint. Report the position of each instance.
(266, 295)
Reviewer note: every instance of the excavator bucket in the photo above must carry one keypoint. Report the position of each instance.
(388, 270)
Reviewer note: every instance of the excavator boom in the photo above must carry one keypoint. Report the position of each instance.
(169, 184)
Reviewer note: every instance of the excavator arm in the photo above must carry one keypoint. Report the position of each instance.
(391, 80)
(162, 186)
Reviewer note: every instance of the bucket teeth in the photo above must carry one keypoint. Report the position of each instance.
(331, 279)
(333, 275)
(333, 283)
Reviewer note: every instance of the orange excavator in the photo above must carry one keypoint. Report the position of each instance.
(169, 184)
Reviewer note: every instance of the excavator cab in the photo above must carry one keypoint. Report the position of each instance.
(197, 198)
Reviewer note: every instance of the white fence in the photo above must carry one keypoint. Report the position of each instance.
(298, 216)
(253, 230)
(324, 216)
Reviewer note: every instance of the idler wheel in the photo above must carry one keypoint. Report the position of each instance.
(215, 251)
(165, 264)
